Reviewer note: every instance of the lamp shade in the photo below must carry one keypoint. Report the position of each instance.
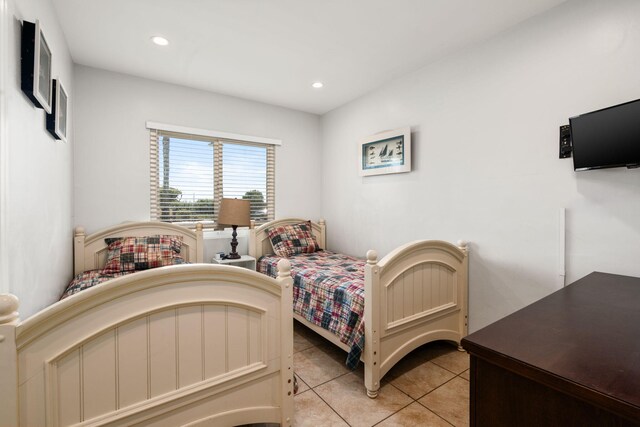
(235, 212)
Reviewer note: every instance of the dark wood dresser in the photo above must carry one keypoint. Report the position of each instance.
(569, 359)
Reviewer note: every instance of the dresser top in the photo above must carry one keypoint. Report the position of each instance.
(583, 339)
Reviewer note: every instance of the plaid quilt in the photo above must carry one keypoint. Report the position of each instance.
(89, 279)
(328, 290)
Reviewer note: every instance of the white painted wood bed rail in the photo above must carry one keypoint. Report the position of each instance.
(416, 294)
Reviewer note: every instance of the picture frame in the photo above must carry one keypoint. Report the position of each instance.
(36, 64)
(57, 119)
(386, 152)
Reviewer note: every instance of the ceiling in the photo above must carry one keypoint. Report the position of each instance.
(273, 50)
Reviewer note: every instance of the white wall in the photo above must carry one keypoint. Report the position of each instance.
(37, 182)
(112, 149)
(486, 169)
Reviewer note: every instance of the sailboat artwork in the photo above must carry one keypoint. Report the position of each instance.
(387, 152)
(382, 154)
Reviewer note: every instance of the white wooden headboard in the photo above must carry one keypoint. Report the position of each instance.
(90, 252)
(260, 244)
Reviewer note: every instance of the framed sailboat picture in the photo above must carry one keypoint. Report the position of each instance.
(386, 152)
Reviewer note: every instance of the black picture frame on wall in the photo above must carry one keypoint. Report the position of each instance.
(36, 66)
(57, 119)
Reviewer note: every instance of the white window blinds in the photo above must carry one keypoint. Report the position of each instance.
(190, 174)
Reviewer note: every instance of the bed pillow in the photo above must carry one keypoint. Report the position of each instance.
(142, 253)
(293, 239)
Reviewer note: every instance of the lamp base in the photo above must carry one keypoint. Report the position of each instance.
(234, 244)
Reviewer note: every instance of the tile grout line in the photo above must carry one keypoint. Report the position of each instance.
(322, 383)
(330, 407)
(391, 415)
(435, 413)
(425, 406)
(435, 388)
(415, 401)
(327, 381)
(336, 411)
(447, 369)
(312, 389)
(388, 382)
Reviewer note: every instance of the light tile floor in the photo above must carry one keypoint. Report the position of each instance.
(429, 387)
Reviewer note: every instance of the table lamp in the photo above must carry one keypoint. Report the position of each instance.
(236, 213)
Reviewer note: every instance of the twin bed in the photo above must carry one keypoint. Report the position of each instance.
(193, 344)
(202, 344)
(416, 294)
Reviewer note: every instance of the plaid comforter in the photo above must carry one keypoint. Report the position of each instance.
(328, 290)
(89, 279)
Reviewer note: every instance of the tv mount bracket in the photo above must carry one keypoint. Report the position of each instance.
(565, 142)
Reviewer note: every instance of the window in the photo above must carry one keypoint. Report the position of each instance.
(190, 174)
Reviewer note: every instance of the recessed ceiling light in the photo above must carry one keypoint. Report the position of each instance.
(160, 41)
(317, 85)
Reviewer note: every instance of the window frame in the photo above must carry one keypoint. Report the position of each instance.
(155, 134)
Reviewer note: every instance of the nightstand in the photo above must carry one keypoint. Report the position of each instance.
(245, 261)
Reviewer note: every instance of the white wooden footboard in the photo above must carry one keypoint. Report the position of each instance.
(180, 345)
(414, 295)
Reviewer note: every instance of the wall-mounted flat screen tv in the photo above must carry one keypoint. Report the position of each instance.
(607, 138)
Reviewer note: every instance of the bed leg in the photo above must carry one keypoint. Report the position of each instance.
(372, 393)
